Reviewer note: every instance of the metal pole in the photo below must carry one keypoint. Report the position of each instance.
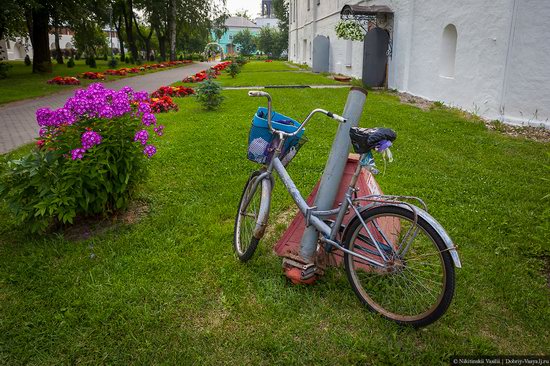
(334, 168)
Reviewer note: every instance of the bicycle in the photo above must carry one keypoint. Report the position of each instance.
(398, 259)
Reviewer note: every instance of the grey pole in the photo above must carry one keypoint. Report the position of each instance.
(334, 168)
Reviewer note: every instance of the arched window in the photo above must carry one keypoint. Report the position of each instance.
(448, 52)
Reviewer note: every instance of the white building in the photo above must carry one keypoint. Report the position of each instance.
(488, 57)
(18, 48)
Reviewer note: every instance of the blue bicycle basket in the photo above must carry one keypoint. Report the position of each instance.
(262, 142)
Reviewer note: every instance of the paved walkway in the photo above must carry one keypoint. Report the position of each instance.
(18, 122)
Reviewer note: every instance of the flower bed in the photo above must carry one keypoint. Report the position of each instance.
(89, 157)
(163, 104)
(64, 80)
(172, 91)
(197, 78)
(221, 66)
(118, 72)
(203, 75)
(92, 75)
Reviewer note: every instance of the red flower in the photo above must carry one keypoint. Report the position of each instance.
(163, 104)
(67, 80)
(92, 75)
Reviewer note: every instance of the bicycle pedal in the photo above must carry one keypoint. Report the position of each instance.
(299, 273)
(308, 271)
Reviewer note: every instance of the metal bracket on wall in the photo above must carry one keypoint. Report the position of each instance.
(368, 16)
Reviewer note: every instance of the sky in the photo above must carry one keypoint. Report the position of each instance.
(253, 6)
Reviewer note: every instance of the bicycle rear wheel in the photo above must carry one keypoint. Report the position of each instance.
(417, 285)
(244, 242)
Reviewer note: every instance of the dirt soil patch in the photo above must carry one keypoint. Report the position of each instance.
(413, 100)
(540, 134)
(88, 227)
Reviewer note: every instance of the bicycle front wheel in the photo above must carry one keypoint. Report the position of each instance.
(416, 285)
(244, 242)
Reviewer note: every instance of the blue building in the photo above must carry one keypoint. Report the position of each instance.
(235, 25)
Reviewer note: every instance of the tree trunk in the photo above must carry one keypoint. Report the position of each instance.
(146, 40)
(120, 39)
(58, 54)
(172, 29)
(41, 62)
(3, 52)
(128, 15)
(162, 43)
(28, 20)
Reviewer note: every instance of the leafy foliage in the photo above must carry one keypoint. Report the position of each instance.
(233, 69)
(246, 42)
(280, 8)
(113, 63)
(208, 93)
(4, 68)
(349, 29)
(270, 41)
(70, 63)
(75, 170)
(89, 38)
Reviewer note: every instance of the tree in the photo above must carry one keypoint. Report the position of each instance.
(41, 61)
(128, 14)
(280, 8)
(243, 13)
(12, 22)
(89, 38)
(269, 42)
(246, 41)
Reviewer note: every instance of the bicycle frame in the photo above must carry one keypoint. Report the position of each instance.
(314, 217)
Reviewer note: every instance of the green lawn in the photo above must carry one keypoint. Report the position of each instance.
(169, 290)
(257, 73)
(23, 84)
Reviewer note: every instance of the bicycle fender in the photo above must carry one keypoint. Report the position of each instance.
(425, 216)
(263, 214)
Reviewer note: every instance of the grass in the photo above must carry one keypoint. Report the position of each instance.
(23, 84)
(272, 73)
(168, 289)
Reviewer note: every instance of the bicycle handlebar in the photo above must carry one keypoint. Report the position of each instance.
(257, 93)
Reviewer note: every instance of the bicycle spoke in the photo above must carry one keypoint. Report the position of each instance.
(413, 283)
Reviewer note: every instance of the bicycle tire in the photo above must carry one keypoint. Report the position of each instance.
(369, 281)
(245, 247)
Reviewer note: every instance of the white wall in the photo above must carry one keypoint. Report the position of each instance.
(526, 84)
(502, 67)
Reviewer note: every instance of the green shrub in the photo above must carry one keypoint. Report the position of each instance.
(241, 60)
(76, 171)
(77, 56)
(208, 93)
(233, 69)
(27, 60)
(105, 57)
(180, 58)
(130, 60)
(91, 62)
(70, 63)
(4, 68)
(127, 59)
(113, 63)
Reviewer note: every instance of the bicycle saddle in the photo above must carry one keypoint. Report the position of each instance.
(365, 139)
